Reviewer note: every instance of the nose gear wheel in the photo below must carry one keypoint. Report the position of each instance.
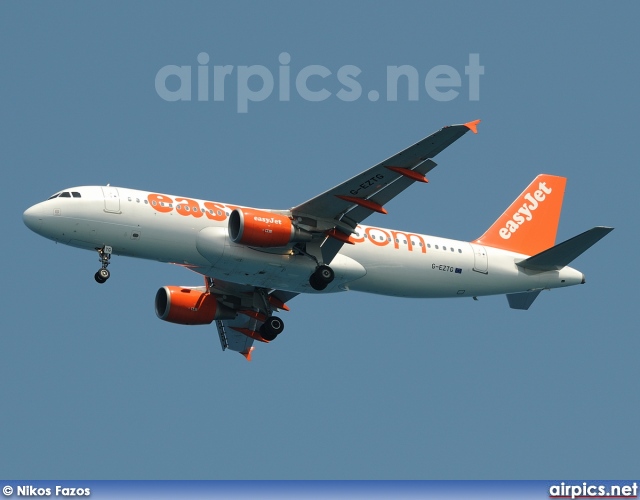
(103, 273)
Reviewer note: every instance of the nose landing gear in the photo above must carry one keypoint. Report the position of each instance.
(103, 273)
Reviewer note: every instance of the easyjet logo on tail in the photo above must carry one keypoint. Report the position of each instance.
(530, 223)
(526, 211)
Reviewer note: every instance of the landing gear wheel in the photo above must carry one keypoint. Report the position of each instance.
(325, 273)
(271, 328)
(315, 283)
(321, 277)
(105, 254)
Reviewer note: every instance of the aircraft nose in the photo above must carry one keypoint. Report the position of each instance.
(32, 218)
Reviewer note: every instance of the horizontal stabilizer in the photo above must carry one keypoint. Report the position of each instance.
(522, 300)
(559, 256)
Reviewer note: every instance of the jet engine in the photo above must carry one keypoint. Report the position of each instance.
(248, 226)
(189, 306)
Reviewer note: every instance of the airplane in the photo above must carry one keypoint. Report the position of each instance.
(254, 261)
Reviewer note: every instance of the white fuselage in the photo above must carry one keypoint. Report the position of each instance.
(193, 233)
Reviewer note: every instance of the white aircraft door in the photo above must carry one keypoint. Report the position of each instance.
(111, 199)
(480, 260)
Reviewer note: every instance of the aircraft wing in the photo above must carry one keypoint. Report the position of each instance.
(232, 339)
(339, 210)
(252, 305)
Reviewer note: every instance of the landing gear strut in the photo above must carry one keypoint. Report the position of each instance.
(322, 276)
(103, 273)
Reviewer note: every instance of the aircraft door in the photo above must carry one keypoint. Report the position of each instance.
(111, 199)
(480, 260)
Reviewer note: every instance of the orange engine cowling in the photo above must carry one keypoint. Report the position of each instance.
(189, 306)
(256, 228)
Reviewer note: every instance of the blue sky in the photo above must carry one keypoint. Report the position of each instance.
(359, 386)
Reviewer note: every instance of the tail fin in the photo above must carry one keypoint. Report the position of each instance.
(530, 224)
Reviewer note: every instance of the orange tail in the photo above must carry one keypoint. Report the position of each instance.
(530, 224)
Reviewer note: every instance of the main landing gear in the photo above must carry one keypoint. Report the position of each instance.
(103, 273)
(322, 276)
(271, 328)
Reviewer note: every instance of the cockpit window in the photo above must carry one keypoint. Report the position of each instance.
(66, 194)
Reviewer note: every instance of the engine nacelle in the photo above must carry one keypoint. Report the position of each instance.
(257, 228)
(189, 306)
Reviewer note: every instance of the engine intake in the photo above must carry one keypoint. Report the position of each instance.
(257, 228)
(189, 306)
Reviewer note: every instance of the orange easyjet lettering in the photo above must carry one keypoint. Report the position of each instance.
(525, 212)
(214, 211)
(160, 202)
(379, 241)
(409, 238)
(186, 206)
(380, 238)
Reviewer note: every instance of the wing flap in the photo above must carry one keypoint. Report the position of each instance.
(232, 339)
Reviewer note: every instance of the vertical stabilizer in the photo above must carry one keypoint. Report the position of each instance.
(530, 224)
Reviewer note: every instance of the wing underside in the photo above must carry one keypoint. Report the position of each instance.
(338, 211)
(252, 306)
